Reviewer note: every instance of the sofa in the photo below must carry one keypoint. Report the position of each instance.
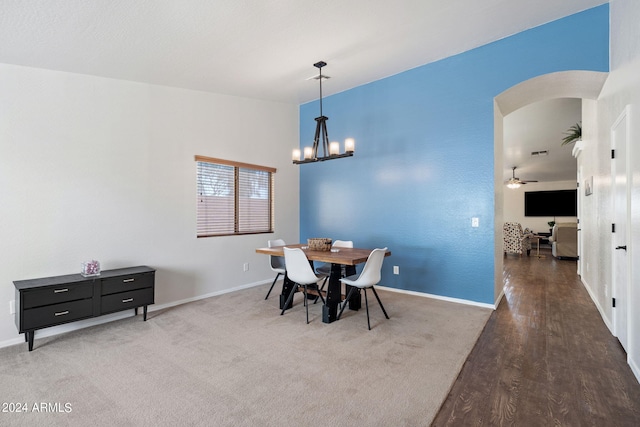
(564, 240)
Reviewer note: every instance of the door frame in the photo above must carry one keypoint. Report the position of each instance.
(623, 118)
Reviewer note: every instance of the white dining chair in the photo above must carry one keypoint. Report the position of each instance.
(276, 263)
(369, 277)
(300, 272)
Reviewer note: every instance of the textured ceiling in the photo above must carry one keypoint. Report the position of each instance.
(540, 127)
(258, 48)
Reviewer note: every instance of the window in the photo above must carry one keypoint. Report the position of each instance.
(233, 198)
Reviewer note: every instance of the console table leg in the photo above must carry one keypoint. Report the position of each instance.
(29, 337)
(145, 312)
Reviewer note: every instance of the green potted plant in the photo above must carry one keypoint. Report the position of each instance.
(573, 134)
(551, 224)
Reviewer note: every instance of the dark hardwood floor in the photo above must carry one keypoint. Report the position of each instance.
(545, 358)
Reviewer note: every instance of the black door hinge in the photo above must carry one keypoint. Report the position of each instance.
(613, 154)
(613, 300)
(613, 228)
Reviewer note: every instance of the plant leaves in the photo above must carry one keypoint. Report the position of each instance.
(573, 134)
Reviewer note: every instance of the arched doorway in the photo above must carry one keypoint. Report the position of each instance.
(564, 84)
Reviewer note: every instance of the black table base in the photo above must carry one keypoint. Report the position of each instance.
(334, 294)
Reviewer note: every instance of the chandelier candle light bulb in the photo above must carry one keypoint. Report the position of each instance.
(296, 154)
(308, 153)
(334, 148)
(349, 145)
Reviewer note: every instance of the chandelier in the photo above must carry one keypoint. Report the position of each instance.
(330, 150)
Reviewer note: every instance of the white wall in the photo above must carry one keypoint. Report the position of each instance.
(96, 168)
(514, 204)
(622, 88)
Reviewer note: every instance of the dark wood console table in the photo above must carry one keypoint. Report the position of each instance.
(51, 301)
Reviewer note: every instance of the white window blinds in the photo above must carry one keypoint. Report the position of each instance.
(233, 198)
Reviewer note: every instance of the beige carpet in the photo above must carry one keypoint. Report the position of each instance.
(233, 360)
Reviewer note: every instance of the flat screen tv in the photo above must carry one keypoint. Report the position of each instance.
(551, 203)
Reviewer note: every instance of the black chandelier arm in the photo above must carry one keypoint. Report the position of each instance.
(322, 159)
(321, 131)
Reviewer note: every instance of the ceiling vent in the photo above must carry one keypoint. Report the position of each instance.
(540, 153)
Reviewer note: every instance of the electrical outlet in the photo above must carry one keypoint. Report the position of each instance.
(12, 307)
(475, 222)
(245, 267)
(396, 269)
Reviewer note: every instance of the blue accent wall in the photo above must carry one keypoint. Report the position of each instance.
(423, 164)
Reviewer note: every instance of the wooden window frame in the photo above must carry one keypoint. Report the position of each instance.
(237, 187)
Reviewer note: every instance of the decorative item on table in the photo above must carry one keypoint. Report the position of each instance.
(319, 244)
(90, 268)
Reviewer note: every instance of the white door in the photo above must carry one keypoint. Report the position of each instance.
(620, 262)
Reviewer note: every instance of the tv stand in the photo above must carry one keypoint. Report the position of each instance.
(51, 301)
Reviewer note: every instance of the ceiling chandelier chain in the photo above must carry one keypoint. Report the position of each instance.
(331, 150)
(319, 65)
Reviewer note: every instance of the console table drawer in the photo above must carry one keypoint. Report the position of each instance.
(56, 314)
(126, 283)
(57, 294)
(125, 300)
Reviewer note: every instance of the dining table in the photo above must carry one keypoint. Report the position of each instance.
(338, 258)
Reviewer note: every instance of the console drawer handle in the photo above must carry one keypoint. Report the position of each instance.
(128, 280)
(127, 300)
(57, 291)
(62, 313)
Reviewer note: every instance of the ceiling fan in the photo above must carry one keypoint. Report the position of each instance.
(514, 182)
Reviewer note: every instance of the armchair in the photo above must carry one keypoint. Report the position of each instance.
(515, 241)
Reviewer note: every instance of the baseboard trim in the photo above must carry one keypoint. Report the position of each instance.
(209, 295)
(605, 319)
(632, 364)
(497, 303)
(438, 297)
(634, 368)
